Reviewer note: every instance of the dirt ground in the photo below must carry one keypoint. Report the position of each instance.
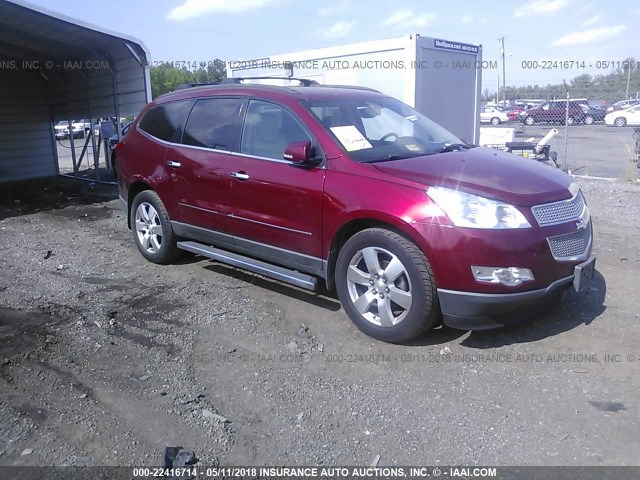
(105, 358)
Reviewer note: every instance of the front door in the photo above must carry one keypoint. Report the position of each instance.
(275, 203)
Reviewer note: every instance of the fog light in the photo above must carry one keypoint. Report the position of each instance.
(509, 276)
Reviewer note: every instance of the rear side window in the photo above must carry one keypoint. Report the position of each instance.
(163, 121)
(212, 123)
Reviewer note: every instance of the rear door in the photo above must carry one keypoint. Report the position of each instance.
(199, 162)
(275, 203)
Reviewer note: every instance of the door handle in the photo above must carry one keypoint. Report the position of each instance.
(173, 164)
(239, 175)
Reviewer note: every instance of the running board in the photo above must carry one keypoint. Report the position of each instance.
(268, 270)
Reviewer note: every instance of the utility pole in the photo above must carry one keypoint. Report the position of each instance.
(504, 69)
(628, 78)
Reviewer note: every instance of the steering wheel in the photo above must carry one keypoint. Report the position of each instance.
(390, 134)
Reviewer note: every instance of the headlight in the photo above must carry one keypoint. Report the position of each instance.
(471, 211)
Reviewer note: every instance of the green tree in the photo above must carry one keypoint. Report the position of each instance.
(166, 78)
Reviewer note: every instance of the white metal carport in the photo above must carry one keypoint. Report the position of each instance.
(52, 68)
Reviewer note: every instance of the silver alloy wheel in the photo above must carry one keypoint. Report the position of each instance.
(529, 121)
(379, 286)
(148, 227)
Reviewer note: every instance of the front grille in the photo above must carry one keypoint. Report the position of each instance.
(571, 246)
(559, 212)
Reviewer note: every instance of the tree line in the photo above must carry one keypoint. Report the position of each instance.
(166, 77)
(610, 87)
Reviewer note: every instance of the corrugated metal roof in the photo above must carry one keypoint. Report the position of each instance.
(57, 68)
(31, 31)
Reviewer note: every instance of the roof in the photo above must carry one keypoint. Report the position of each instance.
(311, 92)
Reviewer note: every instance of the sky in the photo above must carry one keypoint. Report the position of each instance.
(539, 31)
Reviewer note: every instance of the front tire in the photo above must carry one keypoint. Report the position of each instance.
(495, 121)
(620, 122)
(529, 121)
(570, 121)
(386, 287)
(151, 227)
(588, 120)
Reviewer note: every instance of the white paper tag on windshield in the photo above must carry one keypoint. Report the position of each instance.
(351, 138)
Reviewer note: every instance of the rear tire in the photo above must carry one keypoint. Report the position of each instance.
(529, 121)
(495, 121)
(386, 286)
(588, 120)
(570, 121)
(151, 227)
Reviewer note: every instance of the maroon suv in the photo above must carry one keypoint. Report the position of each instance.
(352, 188)
(557, 111)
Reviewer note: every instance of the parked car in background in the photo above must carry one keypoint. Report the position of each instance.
(623, 104)
(61, 129)
(621, 118)
(513, 111)
(493, 115)
(355, 190)
(593, 113)
(553, 112)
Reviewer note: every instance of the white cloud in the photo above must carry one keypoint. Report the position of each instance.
(592, 21)
(335, 9)
(195, 8)
(586, 8)
(589, 36)
(467, 19)
(541, 7)
(406, 19)
(337, 30)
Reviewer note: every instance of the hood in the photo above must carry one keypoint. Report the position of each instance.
(486, 172)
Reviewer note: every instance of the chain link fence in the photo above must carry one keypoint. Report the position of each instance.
(596, 130)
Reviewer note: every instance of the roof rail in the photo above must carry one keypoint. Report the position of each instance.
(192, 85)
(305, 82)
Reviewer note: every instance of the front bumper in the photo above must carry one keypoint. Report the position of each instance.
(483, 311)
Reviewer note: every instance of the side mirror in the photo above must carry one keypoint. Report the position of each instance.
(300, 153)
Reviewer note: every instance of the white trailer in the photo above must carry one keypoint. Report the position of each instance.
(439, 78)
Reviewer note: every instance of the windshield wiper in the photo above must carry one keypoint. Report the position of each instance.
(391, 157)
(454, 147)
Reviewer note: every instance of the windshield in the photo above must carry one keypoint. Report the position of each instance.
(381, 128)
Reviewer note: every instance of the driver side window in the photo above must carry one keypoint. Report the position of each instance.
(268, 129)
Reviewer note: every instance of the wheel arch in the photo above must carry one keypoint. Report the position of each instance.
(135, 189)
(355, 225)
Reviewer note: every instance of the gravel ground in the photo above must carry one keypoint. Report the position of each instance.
(105, 358)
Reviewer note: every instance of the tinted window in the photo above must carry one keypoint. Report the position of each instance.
(163, 120)
(211, 123)
(267, 130)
